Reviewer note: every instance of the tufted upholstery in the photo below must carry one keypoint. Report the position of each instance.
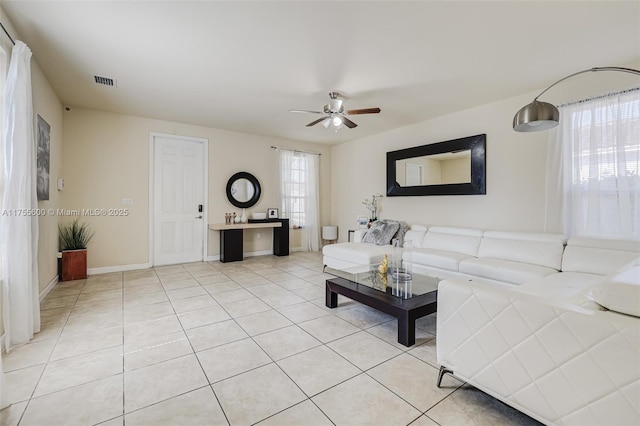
(559, 363)
(519, 323)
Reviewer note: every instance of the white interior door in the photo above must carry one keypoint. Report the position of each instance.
(413, 174)
(178, 188)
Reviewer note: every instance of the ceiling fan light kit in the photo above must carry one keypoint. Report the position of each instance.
(538, 116)
(334, 114)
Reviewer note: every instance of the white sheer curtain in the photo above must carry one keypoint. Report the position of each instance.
(593, 169)
(299, 194)
(5, 47)
(18, 230)
(310, 234)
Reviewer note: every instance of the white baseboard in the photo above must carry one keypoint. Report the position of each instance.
(48, 288)
(118, 268)
(246, 254)
(258, 253)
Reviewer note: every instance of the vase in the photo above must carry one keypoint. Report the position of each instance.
(243, 218)
(402, 261)
(74, 265)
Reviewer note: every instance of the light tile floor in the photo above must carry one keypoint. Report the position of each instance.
(237, 343)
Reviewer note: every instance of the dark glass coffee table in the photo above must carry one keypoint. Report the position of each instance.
(407, 301)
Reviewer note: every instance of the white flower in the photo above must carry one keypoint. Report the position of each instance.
(372, 205)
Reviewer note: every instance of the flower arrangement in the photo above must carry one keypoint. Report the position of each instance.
(372, 205)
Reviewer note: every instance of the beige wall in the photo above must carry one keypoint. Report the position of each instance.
(516, 164)
(515, 171)
(457, 170)
(107, 158)
(47, 105)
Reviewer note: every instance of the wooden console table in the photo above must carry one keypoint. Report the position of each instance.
(231, 237)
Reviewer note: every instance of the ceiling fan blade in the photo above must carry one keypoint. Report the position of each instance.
(306, 111)
(350, 124)
(363, 111)
(313, 123)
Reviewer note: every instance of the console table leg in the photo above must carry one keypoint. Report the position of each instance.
(231, 245)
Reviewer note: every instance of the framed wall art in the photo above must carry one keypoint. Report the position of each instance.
(42, 161)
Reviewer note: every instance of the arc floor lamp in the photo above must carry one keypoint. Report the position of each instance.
(538, 116)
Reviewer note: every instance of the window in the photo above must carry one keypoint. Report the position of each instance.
(298, 197)
(601, 140)
(294, 176)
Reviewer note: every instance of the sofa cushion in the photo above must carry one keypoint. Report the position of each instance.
(415, 236)
(504, 270)
(461, 240)
(596, 256)
(619, 292)
(381, 232)
(561, 286)
(528, 248)
(356, 253)
(441, 259)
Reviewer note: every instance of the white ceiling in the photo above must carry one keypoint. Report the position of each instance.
(242, 65)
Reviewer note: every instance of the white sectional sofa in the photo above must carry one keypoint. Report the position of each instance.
(547, 325)
(503, 258)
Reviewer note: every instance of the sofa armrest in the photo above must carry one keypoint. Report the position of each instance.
(559, 363)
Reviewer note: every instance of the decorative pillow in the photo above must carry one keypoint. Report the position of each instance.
(619, 292)
(403, 227)
(381, 232)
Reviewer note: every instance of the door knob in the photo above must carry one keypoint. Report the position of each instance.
(198, 217)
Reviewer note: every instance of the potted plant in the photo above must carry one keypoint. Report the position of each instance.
(73, 239)
(372, 206)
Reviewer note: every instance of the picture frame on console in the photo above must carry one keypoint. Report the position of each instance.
(272, 213)
(363, 222)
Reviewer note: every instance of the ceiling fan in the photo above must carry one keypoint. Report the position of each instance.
(334, 113)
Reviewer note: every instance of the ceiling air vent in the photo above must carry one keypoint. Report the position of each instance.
(104, 80)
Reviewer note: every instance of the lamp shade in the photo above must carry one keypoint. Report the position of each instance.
(330, 232)
(535, 117)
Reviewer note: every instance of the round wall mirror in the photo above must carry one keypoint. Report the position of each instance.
(243, 190)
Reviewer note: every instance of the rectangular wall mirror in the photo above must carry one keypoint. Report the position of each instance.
(455, 167)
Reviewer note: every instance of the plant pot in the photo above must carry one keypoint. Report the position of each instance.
(74, 265)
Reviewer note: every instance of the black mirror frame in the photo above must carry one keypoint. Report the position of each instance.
(477, 145)
(256, 193)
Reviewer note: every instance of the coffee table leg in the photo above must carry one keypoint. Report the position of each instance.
(331, 298)
(406, 330)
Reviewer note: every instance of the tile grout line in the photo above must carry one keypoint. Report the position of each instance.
(46, 363)
(123, 340)
(209, 385)
(257, 271)
(308, 398)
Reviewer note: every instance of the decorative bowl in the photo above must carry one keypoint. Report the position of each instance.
(259, 216)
